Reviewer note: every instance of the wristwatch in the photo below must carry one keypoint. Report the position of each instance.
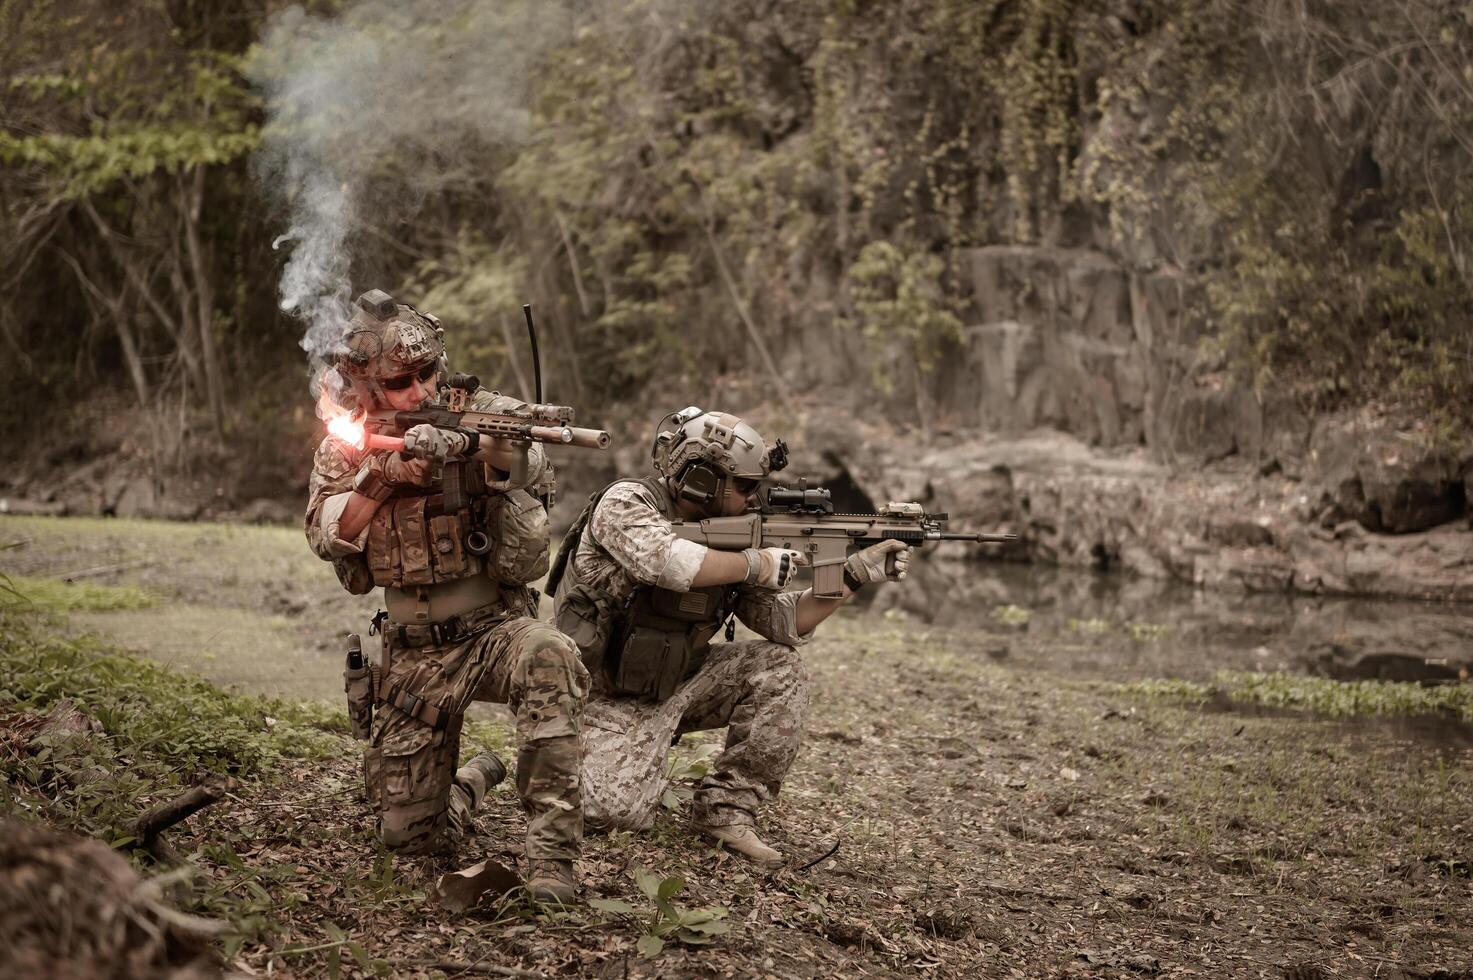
(850, 582)
(371, 483)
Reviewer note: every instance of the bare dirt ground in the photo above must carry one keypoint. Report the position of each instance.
(984, 820)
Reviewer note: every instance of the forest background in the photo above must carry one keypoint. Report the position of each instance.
(756, 201)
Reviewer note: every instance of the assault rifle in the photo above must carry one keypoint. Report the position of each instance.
(535, 423)
(804, 520)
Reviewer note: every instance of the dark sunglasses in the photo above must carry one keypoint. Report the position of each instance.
(744, 487)
(402, 381)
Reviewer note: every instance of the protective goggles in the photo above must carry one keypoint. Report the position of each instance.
(402, 381)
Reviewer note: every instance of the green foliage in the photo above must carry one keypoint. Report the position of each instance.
(683, 770)
(1010, 615)
(22, 591)
(701, 180)
(161, 729)
(1348, 698)
(1340, 699)
(668, 922)
(899, 295)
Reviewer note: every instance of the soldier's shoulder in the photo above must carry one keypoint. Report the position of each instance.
(624, 494)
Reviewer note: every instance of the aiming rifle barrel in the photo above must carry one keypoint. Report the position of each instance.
(981, 536)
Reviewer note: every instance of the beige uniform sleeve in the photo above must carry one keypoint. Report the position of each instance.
(486, 401)
(629, 527)
(772, 615)
(328, 491)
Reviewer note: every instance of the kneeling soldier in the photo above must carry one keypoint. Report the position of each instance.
(644, 605)
(453, 540)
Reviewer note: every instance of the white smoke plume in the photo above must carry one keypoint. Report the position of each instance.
(372, 109)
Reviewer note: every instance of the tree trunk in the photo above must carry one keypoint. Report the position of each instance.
(204, 297)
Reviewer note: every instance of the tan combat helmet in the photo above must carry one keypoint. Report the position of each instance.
(706, 449)
(386, 339)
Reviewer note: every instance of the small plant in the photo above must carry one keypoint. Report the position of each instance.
(1094, 627)
(668, 922)
(1011, 615)
(684, 770)
(1148, 632)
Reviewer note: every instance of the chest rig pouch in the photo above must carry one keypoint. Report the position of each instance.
(412, 542)
(460, 531)
(663, 638)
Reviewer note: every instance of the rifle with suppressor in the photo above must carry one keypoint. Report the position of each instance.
(384, 429)
(804, 520)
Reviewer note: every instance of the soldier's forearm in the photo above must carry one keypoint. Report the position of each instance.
(720, 568)
(358, 511)
(812, 610)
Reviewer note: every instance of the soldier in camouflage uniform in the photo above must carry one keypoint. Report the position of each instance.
(643, 606)
(460, 623)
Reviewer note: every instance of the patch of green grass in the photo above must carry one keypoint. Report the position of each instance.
(57, 596)
(1339, 699)
(1147, 632)
(162, 730)
(1348, 698)
(1010, 615)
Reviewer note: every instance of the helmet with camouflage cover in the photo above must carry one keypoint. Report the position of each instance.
(387, 339)
(705, 450)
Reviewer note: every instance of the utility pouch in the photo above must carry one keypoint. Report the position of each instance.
(585, 616)
(651, 663)
(358, 681)
(520, 534)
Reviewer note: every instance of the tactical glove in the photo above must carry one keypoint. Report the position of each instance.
(772, 568)
(380, 473)
(876, 564)
(427, 442)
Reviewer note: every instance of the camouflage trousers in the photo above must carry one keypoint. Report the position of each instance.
(410, 765)
(758, 690)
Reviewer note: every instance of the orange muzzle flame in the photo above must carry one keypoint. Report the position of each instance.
(340, 422)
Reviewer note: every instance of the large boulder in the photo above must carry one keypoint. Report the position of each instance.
(1387, 480)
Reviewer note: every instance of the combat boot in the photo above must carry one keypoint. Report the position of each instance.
(478, 776)
(552, 881)
(741, 838)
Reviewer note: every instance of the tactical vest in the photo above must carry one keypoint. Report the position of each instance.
(646, 644)
(427, 536)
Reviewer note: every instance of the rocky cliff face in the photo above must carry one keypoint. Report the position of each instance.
(1081, 410)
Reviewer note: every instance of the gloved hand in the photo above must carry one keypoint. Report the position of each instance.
(772, 568)
(876, 564)
(380, 473)
(427, 442)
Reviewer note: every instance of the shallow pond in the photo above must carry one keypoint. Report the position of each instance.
(1124, 627)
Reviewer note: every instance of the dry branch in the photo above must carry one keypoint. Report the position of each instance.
(165, 815)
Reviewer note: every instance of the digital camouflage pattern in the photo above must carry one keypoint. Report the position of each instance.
(410, 766)
(629, 542)
(758, 689)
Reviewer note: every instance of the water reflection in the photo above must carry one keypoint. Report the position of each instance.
(1119, 626)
